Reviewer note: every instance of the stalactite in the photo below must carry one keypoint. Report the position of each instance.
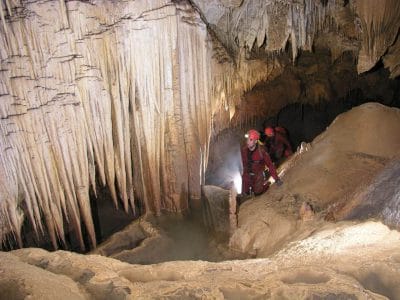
(64, 14)
(380, 23)
(5, 36)
(104, 98)
(392, 60)
(129, 94)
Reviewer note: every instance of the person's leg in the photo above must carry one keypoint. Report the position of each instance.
(245, 183)
(261, 184)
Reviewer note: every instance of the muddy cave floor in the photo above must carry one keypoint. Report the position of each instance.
(347, 248)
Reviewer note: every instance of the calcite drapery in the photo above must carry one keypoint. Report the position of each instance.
(380, 22)
(367, 28)
(129, 92)
(119, 91)
(267, 24)
(125, 92)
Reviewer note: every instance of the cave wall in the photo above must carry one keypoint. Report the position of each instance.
(128, 94)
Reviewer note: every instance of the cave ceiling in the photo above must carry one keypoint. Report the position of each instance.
(369, 28)
(127, 94)
(316, 50)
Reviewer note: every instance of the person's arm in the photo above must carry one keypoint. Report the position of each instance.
(270, 165)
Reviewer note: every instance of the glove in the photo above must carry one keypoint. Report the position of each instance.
(279, 182)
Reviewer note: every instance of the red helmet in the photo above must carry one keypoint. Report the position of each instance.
(269, 131)
(253, 134)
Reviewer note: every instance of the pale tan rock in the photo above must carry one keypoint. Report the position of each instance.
(338, 164)
(293, 259)
(326, 264)
(306, 212)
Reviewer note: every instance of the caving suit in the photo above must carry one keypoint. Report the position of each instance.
(278, 147)
(254, 162)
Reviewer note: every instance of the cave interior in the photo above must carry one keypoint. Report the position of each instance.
(104, 121)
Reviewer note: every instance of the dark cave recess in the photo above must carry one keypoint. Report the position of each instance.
(107, 220)
(304, 99)
(311, 92)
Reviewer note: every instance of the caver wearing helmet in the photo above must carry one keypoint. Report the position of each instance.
(277, 144)
(252, 134)
(252, 137)
(269, 132)
(255, 159)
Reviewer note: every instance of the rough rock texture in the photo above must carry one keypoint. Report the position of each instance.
(154, 239)
(139, 242)
(129, 93)
(316, 79)
(124, 93)
(92, 90)
(220, 210)
(350, 261)
(379, 200)
(311, 258)
(380, 22)
(367, 28)
(332, 171)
